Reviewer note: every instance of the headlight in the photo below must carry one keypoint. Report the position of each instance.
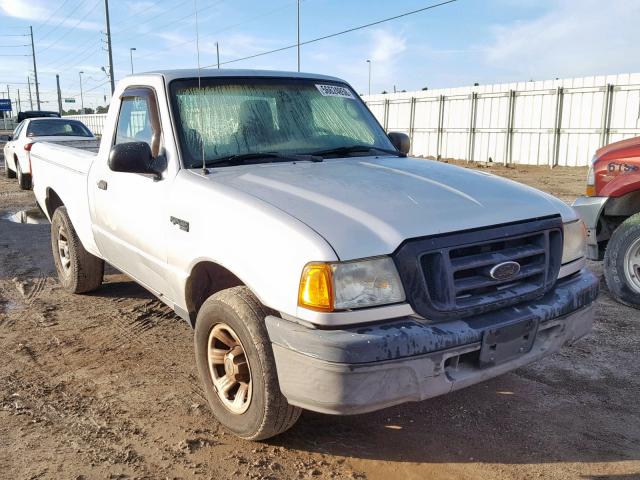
(591, 179)
(347, 285)
(575, 241)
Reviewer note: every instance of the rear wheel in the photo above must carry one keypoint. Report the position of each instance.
(622, 262)
(78, 270)
(237, 368)
(24, 179)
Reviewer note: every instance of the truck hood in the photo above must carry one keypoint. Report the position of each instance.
(367, 206)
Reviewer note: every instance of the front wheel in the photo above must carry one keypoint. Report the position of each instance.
(236, 365)
(7, 171)
(622, 262)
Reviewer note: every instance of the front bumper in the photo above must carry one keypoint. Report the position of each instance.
(590, 209)
(367, 368)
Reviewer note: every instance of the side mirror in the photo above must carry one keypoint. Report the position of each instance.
(400, 141)
(133, 157)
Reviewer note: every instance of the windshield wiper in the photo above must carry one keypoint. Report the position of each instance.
(259, 157)
(348, 150)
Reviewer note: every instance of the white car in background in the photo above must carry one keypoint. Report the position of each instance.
(58, 130)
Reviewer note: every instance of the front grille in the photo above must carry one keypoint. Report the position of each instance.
(449, 275)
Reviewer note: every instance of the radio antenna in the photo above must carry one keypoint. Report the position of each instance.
(200, 107)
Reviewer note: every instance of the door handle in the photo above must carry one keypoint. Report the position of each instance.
(102, 185)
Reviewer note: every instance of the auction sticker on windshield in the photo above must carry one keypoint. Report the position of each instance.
(334, 91)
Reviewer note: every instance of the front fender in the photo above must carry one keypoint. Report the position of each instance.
(590, 209)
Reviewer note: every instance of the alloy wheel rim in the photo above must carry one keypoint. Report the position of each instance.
(632, 266)
(229, 369)
(63, 250)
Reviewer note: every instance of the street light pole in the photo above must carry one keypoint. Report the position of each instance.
(81, 97)
(218, 54)
(298, 35)
(131, 55)
(369, 62)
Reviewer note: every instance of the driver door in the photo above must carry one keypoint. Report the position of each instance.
(130, 224)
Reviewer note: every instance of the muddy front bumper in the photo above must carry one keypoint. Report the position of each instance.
(366, 368)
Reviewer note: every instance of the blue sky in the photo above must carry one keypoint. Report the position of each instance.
(486, 41)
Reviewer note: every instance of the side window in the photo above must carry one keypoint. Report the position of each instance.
(138, 120)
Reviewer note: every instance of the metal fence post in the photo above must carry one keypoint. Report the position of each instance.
(412, 122)
(606, 115)
(557, 127)
(509, 133)
(440, 126)
(471, 138)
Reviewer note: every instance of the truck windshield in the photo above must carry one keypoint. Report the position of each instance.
(231, 117)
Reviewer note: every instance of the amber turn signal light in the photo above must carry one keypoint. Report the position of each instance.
(316, 290)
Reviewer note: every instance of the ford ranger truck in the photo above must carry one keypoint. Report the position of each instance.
(320, 266)
(611, 212)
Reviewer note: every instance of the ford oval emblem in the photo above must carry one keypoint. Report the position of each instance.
(504, 271)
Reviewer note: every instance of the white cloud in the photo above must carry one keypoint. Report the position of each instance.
(24, 9)
(386, 45)
(572, 38)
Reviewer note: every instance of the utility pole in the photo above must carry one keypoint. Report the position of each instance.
(35, 69)
(81, 97)
(59, 94)
(30, 97)
(218, 54)
(19, 109)
(298, 35)
(106, 13)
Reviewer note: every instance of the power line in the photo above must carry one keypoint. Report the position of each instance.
(89, 12)
(349, 30)
(172, 9)
(63, 20)
(175, 21)
(50, 17)
(228, 27)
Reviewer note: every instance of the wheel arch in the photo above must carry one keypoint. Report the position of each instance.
(206, 278)
(52, 202)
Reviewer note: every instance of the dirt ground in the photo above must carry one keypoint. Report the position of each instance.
(105, 386)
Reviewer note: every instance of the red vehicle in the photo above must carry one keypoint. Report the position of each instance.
(611, 212)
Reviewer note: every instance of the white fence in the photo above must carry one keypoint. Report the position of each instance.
(553, 122)
(94, 121)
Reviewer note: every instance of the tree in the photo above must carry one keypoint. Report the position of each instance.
(71, 112)
(102, 109)
(88, 110)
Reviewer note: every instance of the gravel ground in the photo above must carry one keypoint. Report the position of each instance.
(105, 386)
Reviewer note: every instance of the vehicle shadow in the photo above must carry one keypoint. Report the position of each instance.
(513, 419)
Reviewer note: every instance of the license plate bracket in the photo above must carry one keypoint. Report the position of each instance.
(507, 342)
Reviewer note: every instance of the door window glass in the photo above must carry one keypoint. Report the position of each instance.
(138, 121)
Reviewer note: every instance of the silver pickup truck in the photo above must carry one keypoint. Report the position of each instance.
(320, 266)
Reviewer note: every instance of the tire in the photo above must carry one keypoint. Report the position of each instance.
(7, 171)
(622, 262)
(267, 411)
(78, 270)
(24, 179)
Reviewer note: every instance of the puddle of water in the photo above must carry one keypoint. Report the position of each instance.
(32, 216)
(8, 306)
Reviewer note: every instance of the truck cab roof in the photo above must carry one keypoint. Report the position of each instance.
(170, 75)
